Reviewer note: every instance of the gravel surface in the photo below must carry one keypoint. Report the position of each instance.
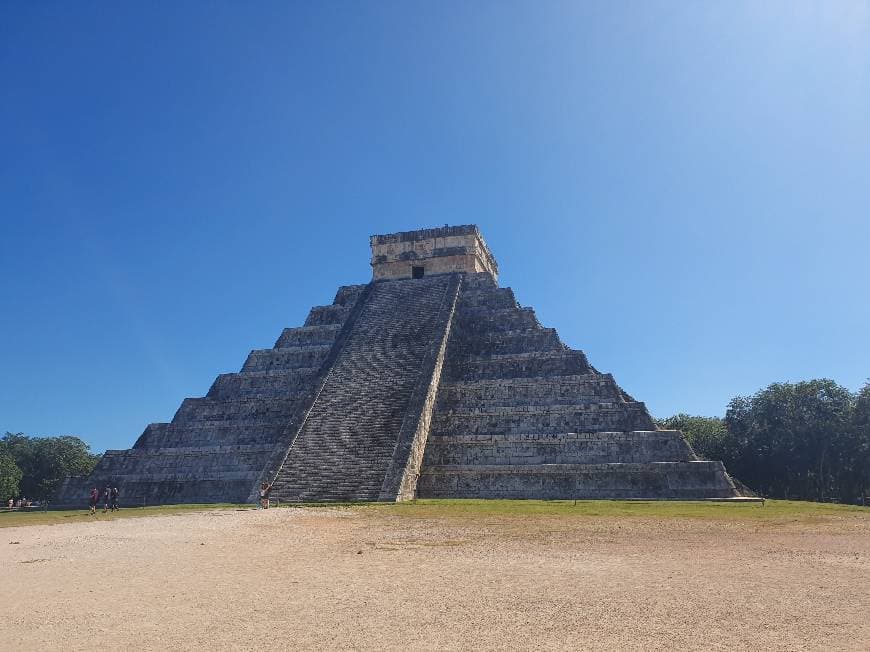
(363, 579)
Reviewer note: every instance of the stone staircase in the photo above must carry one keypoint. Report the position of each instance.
(345, 447)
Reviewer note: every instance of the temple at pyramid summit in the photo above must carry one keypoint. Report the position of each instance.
(428, 381)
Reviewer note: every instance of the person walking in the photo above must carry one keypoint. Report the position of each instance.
(94, 498)
(107, 497)
(267, 489)
(115, 498)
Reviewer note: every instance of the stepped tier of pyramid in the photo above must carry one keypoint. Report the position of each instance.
(429, 381)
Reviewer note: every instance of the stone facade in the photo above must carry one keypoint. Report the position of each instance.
(216, 447)
(520, 415)
(446, 250)
(432, 384)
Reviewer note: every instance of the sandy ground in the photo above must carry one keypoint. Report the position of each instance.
(352, 579)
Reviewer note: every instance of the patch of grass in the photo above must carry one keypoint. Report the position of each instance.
(770, 510)
(39, 517)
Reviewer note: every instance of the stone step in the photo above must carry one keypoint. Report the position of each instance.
(512, 411)
(223, 433)
(138, 490)
(308, 336)
(278, 383)
(184, 450)
(332, 314)
(190, 463)
(551, 421)
(518, 365)
(487, 298)
(530, 391)
(652, 481)
(558, 448)
(486, 320)
(214, 412)
(154, 432)
(347, 295)
(476, 282)
(291, 358)
(513, 342)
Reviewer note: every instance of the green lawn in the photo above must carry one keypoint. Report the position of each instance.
(38, 517)
(771, 510)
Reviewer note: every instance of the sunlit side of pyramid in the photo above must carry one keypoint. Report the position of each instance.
(429, 381)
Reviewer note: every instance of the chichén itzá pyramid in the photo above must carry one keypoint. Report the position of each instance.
(428, 381)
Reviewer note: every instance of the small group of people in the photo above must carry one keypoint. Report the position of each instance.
(265, 490)
(109, 496)
(20, 503)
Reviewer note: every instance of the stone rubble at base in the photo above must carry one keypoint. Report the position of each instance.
(434, 386)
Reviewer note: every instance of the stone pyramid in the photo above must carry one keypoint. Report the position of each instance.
(429, 381)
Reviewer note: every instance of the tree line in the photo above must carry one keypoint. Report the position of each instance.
(34, 467)
(799, 441)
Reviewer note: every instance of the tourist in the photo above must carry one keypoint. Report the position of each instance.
(107, 497)
(94, 498)
(11, 504)
(265, 490)
(114, 498)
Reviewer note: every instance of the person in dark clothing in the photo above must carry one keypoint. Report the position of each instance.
(107, 497)
(114, 496)
(93, 499)
(265, 490)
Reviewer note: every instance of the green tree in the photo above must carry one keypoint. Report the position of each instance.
(10, 475)
(708, 436)
(791, 438)
(46, 461)
(856, 461)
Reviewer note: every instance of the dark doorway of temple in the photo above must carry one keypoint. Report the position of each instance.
(416, 272)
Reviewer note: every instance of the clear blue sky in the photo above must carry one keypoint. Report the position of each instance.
(681, 189)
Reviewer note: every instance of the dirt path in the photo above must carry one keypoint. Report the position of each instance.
(339, 579)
